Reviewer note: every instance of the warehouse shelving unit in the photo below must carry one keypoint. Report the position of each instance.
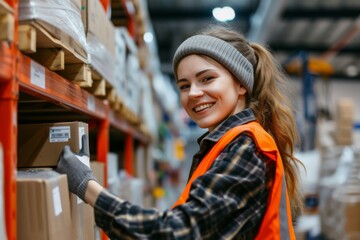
(21, 75)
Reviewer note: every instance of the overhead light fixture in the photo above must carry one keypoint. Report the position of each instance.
(223, 14)
(351, 71)
(148, 37)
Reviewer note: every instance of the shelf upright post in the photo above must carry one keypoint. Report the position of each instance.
(130, 12)
(9, 91)
(105, 4)
(129, 150)
(103, 148)
(103, 141)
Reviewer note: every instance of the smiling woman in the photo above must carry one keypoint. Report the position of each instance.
(208, 91)
(242, 182)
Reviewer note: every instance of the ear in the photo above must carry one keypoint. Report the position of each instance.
(241, 90)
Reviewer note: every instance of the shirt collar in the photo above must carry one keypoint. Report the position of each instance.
(237, 119)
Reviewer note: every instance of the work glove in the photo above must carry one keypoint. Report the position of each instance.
(76, 167)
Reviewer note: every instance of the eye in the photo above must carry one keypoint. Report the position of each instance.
(207, 78)
(183, 87)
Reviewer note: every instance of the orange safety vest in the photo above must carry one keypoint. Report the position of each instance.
(277, 222)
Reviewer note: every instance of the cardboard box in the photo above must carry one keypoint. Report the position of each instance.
(98, 169)
(96, 22)
(43, 209)
(82, 219)
(40, 145)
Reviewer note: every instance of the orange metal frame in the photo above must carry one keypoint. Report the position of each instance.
(8, 121)
(14, 77)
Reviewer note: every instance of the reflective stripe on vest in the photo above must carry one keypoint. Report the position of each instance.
(277, 222)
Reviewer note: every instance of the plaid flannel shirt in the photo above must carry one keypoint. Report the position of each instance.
(227, 202)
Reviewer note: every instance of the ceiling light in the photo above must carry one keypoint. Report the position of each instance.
(223, 14)
(148, 37)
(351, 71)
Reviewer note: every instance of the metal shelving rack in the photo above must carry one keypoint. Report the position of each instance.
(16, 78)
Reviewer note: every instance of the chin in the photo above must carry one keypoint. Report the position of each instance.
(205, 125)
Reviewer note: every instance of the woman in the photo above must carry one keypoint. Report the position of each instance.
(236, 187)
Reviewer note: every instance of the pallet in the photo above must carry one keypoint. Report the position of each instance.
(55, 50)
(129, 115)
(101, 87)
(7, 22)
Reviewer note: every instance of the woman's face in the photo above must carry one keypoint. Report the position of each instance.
(208, 91)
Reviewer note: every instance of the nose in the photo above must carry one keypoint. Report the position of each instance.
(195, 91)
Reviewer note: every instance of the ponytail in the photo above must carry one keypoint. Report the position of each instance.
(273, 110)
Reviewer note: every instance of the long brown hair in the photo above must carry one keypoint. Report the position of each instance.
(270, 105)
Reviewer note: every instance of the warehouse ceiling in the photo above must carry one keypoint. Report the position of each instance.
(328, 30)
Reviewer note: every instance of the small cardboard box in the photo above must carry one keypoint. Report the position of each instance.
(40, 145)
(99, 171)
(43, 209)
(82, 219)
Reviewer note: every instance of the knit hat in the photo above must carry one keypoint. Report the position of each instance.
(222, 52)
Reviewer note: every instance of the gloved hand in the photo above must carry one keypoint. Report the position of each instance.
(77, 172)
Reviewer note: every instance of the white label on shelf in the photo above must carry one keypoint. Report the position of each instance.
(59, 134)
(91, 103)
(57, 200)
(37, 74)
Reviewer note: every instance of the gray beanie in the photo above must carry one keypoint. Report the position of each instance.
(222, 52)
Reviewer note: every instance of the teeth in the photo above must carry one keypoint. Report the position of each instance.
(202, 107)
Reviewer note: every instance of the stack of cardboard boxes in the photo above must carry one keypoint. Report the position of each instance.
(46, 209)
(344, 121)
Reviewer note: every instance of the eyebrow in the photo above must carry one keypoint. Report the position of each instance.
(196, 75)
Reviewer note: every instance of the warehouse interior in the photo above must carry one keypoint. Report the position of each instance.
(104, 68)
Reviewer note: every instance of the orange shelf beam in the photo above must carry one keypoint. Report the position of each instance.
(118, 121)
(45, 84)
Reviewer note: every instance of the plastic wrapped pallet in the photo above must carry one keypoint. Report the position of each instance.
(133, 87)
(120, 62)
(100, 39)
(58, 17)
(130, 188)
(112, 171)
(346, 199)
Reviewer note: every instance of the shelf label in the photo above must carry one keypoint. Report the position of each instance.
(57, 200)
(59, 134)
(37, 74)
(91, 103)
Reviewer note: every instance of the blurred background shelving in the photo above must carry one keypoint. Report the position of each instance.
(115, 74)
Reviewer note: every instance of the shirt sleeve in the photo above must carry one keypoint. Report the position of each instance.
(228, 201)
